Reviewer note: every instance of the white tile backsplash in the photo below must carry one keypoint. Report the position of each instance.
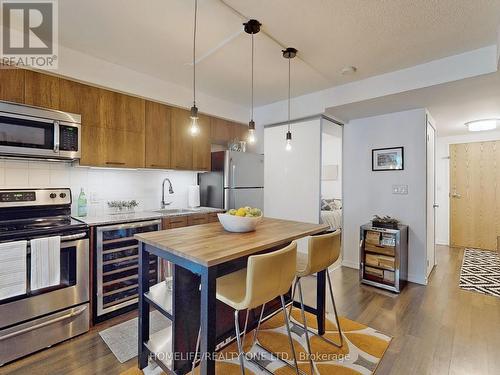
(38, 177)
(100, 185)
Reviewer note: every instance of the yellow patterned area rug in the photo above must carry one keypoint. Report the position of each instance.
(361, 352)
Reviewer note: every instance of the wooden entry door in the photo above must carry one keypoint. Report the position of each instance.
(475, 194)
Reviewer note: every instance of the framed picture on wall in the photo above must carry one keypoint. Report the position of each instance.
(388, 159)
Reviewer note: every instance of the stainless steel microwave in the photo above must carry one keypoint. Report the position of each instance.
(38, 132)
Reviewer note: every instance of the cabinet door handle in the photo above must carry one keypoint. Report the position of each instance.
(114, 163)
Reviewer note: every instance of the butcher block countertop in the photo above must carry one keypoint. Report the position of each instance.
(209, 244)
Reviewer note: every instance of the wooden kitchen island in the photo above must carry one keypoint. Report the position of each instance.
(200, 254)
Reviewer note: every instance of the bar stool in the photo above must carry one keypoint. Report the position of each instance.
(323, 251)
(266, 277)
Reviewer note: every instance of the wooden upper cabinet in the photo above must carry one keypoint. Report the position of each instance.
(122, 112)
(202, 145)
(157, 133)
(220, 131)
(239, 131)
(41, 90)
(182, 141)
(81, 99)
(93, 146)
(12, 85)
(124, 149)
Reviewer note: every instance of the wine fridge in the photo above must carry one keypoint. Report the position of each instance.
(117, 267)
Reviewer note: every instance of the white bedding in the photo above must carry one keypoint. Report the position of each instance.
(333, 218)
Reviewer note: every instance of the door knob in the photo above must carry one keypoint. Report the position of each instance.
(456, 195)
(435, 205)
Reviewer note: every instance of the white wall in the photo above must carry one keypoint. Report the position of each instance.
(331, 154)
(368, 193)
(292, 178)
(443, 178)
(100, 185)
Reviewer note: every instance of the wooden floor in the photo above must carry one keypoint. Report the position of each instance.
(437, 329)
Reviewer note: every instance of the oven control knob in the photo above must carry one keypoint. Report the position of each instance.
(53, 195)
(62, 195)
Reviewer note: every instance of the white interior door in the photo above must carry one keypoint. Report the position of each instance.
(431, 197)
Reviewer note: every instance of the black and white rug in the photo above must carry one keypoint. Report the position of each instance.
(481, 272)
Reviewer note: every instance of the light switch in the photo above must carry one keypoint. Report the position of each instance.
(400, 189)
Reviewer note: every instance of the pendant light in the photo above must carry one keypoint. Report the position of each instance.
(194, 129)
(252, 27)
(289, 54)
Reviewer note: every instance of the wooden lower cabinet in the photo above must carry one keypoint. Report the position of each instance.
(197, 219)
(174, 222)
(212, 217)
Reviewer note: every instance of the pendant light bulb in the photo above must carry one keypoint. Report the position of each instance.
(251, 136)
(195, 128)
(288, 146)
(251, 132)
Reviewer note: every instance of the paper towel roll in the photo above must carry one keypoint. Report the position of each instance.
(194, 196)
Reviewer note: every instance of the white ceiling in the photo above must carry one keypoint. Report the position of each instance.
(451, 104)
(155, 37)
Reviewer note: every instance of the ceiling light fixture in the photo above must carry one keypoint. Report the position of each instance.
(252, 27)
(194, 129)
(289, 54)
(348, 70)
(482, 125)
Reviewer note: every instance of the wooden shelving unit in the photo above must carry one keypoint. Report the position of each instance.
(384, 257)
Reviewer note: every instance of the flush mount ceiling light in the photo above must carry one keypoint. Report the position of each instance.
(194, 129)
(482, 125)
(252, 27)
(289, 54)
(348, 70)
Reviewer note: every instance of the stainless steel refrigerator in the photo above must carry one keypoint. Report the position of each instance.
(236, 180)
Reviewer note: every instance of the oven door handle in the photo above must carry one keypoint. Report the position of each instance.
(72, 237)
(78, 311)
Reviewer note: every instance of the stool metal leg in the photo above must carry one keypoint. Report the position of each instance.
(335, 311)
(336, 318)
(238, 338)
(289, 334)
(303, 313)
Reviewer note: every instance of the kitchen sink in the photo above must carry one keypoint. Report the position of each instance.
(174, 211)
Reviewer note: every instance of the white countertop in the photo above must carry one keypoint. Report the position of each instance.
(141, 215)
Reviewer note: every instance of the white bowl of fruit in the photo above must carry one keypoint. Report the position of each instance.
(244, 219)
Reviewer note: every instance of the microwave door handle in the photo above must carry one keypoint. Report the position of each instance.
(56, 137)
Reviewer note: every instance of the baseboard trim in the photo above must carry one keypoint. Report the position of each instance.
(417, 279)
(347, 263)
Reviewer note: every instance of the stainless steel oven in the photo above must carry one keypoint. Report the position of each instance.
(38, 132)
(42, 317)
(36, 320)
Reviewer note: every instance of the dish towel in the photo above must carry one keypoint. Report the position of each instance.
(13, 269)
(45, 262)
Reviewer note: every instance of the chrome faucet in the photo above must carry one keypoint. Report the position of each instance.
(170, 191)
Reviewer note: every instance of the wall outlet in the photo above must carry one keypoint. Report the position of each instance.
(400, 189)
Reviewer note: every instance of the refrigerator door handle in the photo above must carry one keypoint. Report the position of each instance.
(234, 173)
